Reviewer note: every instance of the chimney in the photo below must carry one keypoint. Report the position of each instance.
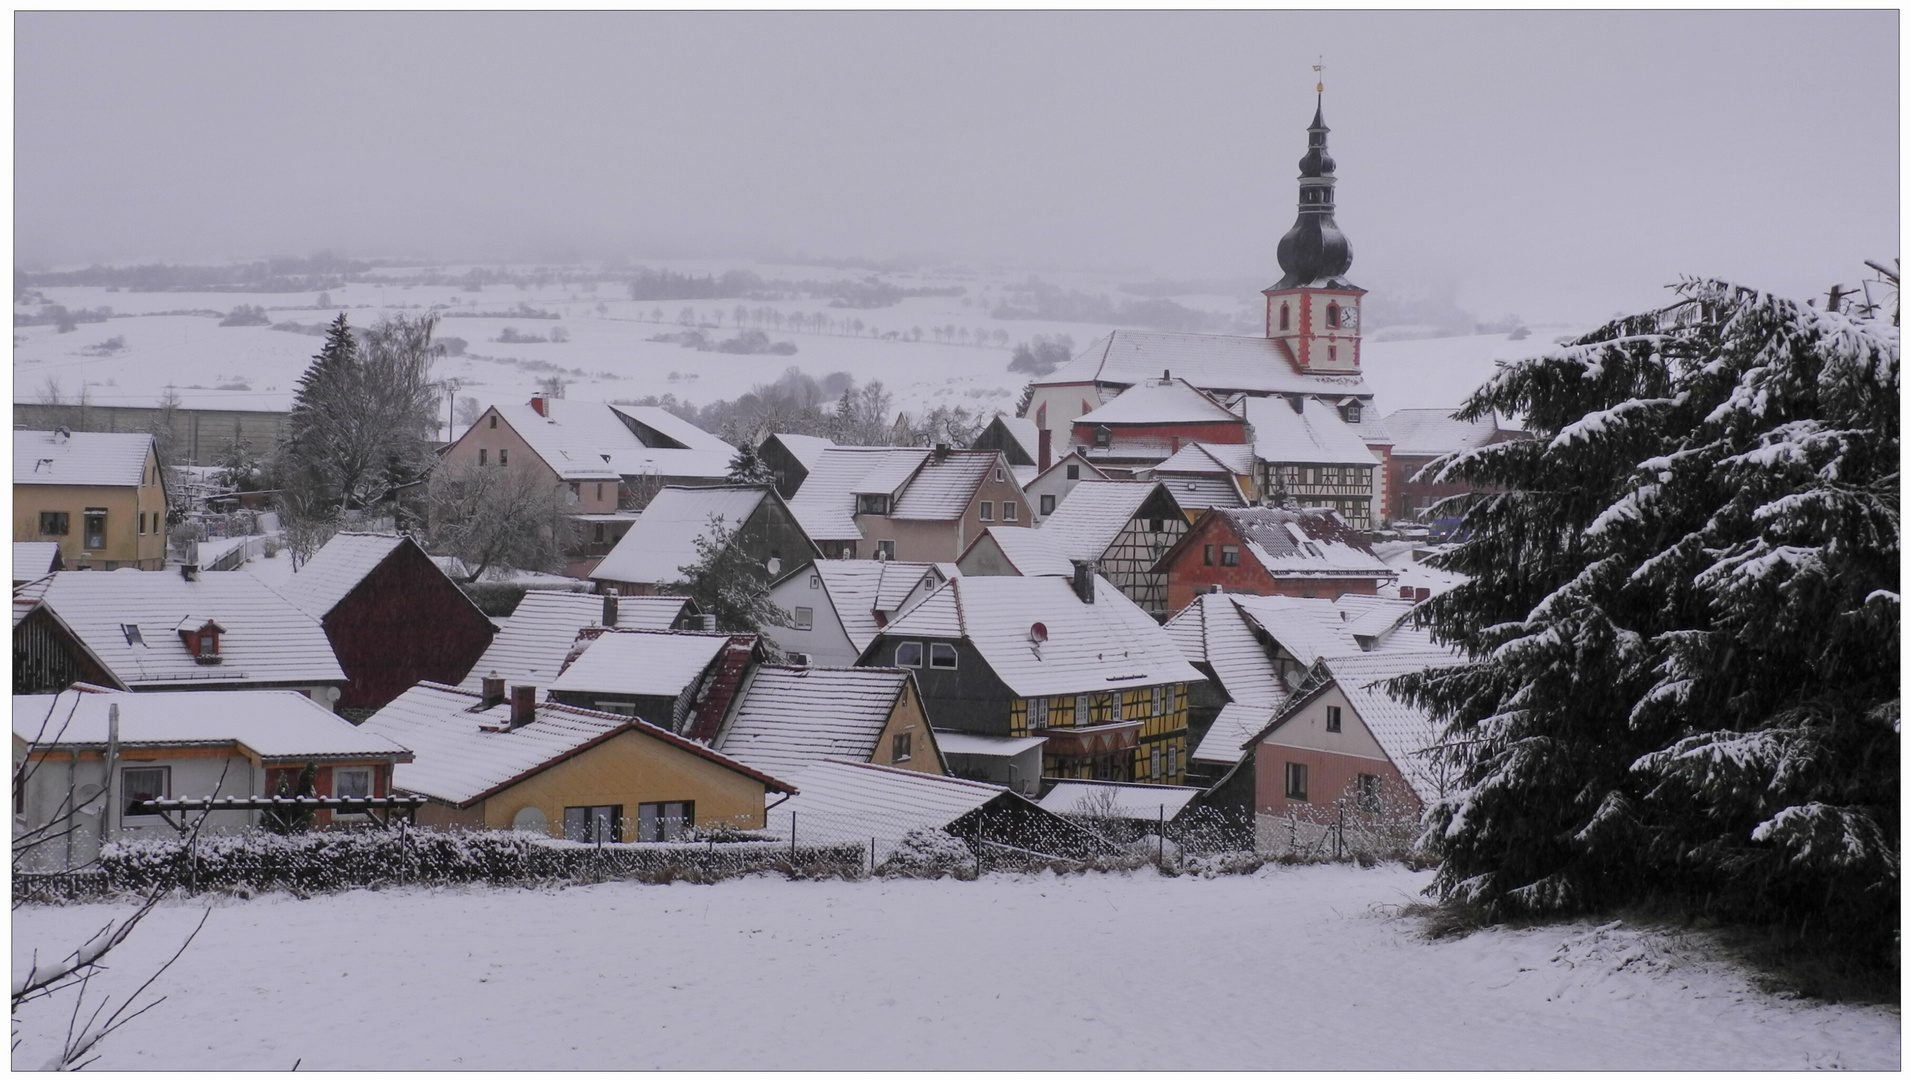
(941, 451)
(1047, 449)
(523, 705)
(1084, 580)
(610, 609)
(493, 690)
(537, 402)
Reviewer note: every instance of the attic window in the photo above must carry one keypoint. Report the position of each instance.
(202, 639)
(131, 630)
(493, 423)
(872, 504)
(1102, 436)
(1351, 413)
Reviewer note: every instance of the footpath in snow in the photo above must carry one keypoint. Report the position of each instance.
(1291, 968)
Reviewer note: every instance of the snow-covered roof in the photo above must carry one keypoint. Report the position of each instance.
(997, 746)
(1213, 630)
(825, 504)
(1032, 552)
(643, 663)
(336, 569)
(1234, 726)
(1110, 644)
(1306, 628)
(663, 539)
(804, 448)
(277, 725)
(33, 558)
(859, 588)
(1432, 432)
(1137, 801)
(267, 639)
(537, 638)
(1317, 436)
(81, 458)
(1025, 474)
(860, 802)
(1025, 433)
(944, 485)
(1213, 362)
(1402, 729)
(1074, 457)
(1202, 492)
(1160, 401)
(1307, 542)
(586, 440)
(1204, 457)
(1086, 524)
(458, 762)
(792, 717)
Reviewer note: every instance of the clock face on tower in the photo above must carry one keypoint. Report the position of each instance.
(1350, 318)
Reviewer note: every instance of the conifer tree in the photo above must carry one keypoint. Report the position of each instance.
(748, 467)
(726, 583)
(1682, 623)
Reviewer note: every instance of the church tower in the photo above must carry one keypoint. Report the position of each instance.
(1313, 309)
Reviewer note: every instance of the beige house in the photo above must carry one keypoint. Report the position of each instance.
(557, 770)
(911, 504)
(101, 497)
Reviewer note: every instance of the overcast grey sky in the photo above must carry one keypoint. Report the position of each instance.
(1561, 165)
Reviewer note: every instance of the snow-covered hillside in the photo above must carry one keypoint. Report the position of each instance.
(156, 339)
(1292, 968)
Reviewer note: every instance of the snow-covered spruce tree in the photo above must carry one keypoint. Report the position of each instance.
(725, 582)
(748, 467)
(1682, 624)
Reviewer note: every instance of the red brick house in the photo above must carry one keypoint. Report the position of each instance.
(392, 616)
(1266, 551)
(1149, 422)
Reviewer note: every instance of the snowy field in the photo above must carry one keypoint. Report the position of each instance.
(1292, 968)
(158, 339)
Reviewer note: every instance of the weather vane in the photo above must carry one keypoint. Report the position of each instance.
(1319, 72)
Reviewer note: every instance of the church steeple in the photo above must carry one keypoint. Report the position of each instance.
(1315, 250)
(1313, 311)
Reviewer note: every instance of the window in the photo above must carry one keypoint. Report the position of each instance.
(1102, 436)
(1038, 713)
(908, 654)
(1074, 472)
(1206, 554)
(1173, 761)
(1154, 762)
(815, 581)
(805, 618)
(1366, 792)
(664, 821)
(987, 511)
(575, 495)
(142, 523)
(503, 456)
(941, 655)
(1296, 781)
(1229, 555)
(1351, 414)
(1047, 505)
(594, 824)
(1010, 511)
(1333, 718)
(597, 533)
(1332, 352)
(137, 785)
(899, 747)
(95, 527)
(872, 504)
(1159, 702)
(133, 636)
(1286, 317)
(481, 455)
(1081, 712)
(354, 783)
(1333, 316)
(998, 477)
(885, 549)
(493, 423)
(53, 523)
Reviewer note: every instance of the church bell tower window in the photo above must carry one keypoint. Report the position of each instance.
(1286, 320)
(1333, 316)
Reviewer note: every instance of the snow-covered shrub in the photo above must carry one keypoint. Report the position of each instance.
(929, 853)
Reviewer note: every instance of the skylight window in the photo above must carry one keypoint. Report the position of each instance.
(133, 636)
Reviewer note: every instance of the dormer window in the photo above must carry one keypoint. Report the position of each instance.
(1351, 412)
(872, 504)
(1102, 436)
(201, 637)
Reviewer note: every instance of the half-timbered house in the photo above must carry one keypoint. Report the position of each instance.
(1123, 527)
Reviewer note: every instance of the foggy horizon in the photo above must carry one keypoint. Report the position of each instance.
(1559, 165)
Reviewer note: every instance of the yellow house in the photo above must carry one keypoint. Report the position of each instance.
(561, 771)
(101, 496)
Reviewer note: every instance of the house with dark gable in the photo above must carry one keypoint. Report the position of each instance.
(392, 616)
(1070, 660)
(1266, 551)
(750, 517)
(790, 457)
(548, 629)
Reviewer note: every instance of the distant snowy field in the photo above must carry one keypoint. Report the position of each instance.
(1292, 968)
(174, 338)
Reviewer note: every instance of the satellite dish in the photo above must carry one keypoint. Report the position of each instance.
(1038, 633)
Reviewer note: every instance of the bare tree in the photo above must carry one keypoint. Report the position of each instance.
(489, 517)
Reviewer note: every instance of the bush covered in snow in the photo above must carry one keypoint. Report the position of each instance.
(1683, 623)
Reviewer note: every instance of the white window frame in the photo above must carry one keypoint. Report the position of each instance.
(371, 787)
(1334, 722)
(804, 618)
(1010, 510)
(921, 652)
(1038, 714)
(987, 510)
(939, 649)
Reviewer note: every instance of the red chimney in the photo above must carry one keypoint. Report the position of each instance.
(537, 402)
(1047, 449)
(493, 690)
(523, 705)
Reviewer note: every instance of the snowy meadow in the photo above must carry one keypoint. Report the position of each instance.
(1308, 967)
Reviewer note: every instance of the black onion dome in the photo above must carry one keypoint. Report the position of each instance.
(1315, 248)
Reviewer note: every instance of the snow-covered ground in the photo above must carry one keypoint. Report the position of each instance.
(160, 339)
(1292, 968)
